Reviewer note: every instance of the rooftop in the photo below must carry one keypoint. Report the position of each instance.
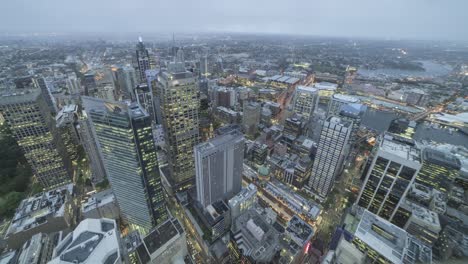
(261, 239)
(346, 98)
(92, 241)
(300, 231)
(35, 210)
(441, 158)
(390, 241)
(214, 143)
(402, 148)
(66, 115)
(243, 194)
(308, 89)
(97, 200)
(163, 234)
(326, 86)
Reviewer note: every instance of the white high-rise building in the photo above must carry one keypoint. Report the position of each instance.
(332, 148)
(305, 101)
(219, 164)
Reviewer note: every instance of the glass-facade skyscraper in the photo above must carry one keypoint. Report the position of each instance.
(125, 142)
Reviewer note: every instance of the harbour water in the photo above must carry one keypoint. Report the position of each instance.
(432, 69)
(380, 121)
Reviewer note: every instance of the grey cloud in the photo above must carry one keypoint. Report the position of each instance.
(416, 19)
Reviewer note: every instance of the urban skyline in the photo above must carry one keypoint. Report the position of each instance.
(232, 146)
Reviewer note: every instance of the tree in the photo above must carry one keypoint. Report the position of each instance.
(9, 203)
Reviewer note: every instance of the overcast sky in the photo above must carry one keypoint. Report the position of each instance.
(407, 19)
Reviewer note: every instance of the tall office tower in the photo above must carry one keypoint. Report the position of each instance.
(144, 97)
(143, 60)
(331, 150)
(305, 101)
(126, 79)
(73, 84)
(395, 164)
(218, 166)
(29, 117)
(152, 78)
(45, 86)
(124, 140)
(337, 101)
(204, 71)
(179, 100)
(88, 141)
(251, 117)
(89, 83)
(439, 170)
(180, 56)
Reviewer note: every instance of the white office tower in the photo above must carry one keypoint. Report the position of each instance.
(305, 101)
(395, 164)
(219, 164)
(92, 241)
(332, 148)
(337, 101)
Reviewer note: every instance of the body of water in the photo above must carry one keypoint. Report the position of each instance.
(380, 121)
(433, 69)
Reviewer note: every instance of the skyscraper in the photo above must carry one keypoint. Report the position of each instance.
(144, 97)
(126, 79)
(44, 85)
(331, 150)
(305, 101)
(219, 164)
(125, 143)
(395, 164)
(143, 60)
(29, 117)
(251, 117)
(179, 101)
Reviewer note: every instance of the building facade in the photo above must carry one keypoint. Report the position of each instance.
(180, 101)
(30, 119)
(125, 143)
(218, 165)
(331, 150)
(395, 164)
(305, 101)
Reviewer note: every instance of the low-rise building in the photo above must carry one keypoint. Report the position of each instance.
(92, 241)
(243, 201)
(101, 205)
(167, 243)
(384, 242)
(255, 237)
(46, 212)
